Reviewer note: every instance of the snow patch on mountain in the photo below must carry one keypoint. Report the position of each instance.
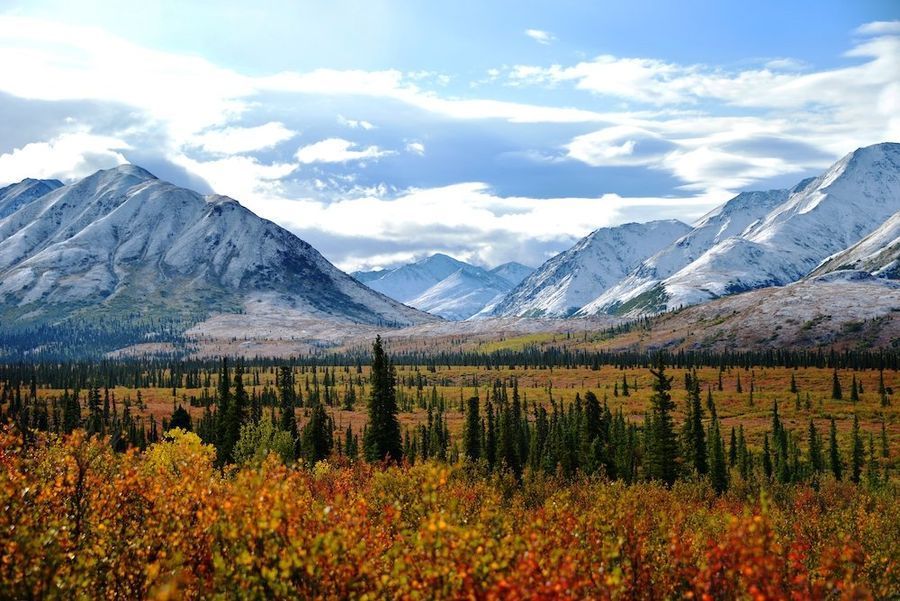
(877, 254)
(571, 279)
(730, 219)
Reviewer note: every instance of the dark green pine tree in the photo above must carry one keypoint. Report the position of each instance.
(816, 462)
(794, 389)
(857, 452)
(854, 390)
(767, 457)
(732, 448)
(472, 433)
(350, 447)
(181, 419)
(836, 392)
(235, 413)
(697, 451)
(834, 454)
(718, 468)
(625, 391)
(71, 411)
(316, 438)
(662, 444)
(490, 438)
(288, 421)
(382, 440)
(95, 413)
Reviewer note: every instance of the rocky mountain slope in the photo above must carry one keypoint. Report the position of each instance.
(122, 243)
(730, 219)
(877, 254)
(571, 279)
(833, 212)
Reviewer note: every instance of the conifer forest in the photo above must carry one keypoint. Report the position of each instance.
(373, 476)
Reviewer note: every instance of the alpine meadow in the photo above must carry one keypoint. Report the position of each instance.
(400, 300)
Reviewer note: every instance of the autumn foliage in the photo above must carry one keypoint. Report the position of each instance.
(82, 521)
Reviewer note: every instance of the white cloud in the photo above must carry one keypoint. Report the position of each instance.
(540, 36)
(879, 28)
(338, 150)
(353, 123)
(241, 177)
(416, 148)
(233, 140)
(618, 145)
(494, 228)
(68, 156)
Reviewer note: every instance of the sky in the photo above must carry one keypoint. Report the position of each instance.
(384, 131)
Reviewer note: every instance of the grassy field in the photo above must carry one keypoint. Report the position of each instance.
(536, 385)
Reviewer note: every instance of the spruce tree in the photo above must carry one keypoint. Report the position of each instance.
(382, 440)
(767, 457)
(316, 438)
(834, 454)
(854, 390)
(490, 439)
(696, 437)
(732, 448)
(472, 433)
(836, 392)
(288, 421)
(662, 444)
(718, 468)
(815, 449)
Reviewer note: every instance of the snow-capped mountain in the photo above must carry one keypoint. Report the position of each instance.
(406, 282)
(834, 211)
(513, 272)
(730, 219)
(462, 294)
(16, 196)
(445, 286)
(573, 278)
(123, 243)
(877, 254)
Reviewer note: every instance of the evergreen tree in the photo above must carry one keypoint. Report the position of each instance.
(794, 389)
(767, 457)
(286, 389)
(834, 454)
(697, 451)
(854, 390)
(662, 444)
(316, 438)
(180, 419)
(718, 469)
(836, 392)
(472, 433)
(732, 448)
(234, 413)
(815, 449)
(382, 439)
(490, 439)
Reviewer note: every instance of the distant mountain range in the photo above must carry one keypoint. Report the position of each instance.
(445, 286)
(843, 219)
(123, 246)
